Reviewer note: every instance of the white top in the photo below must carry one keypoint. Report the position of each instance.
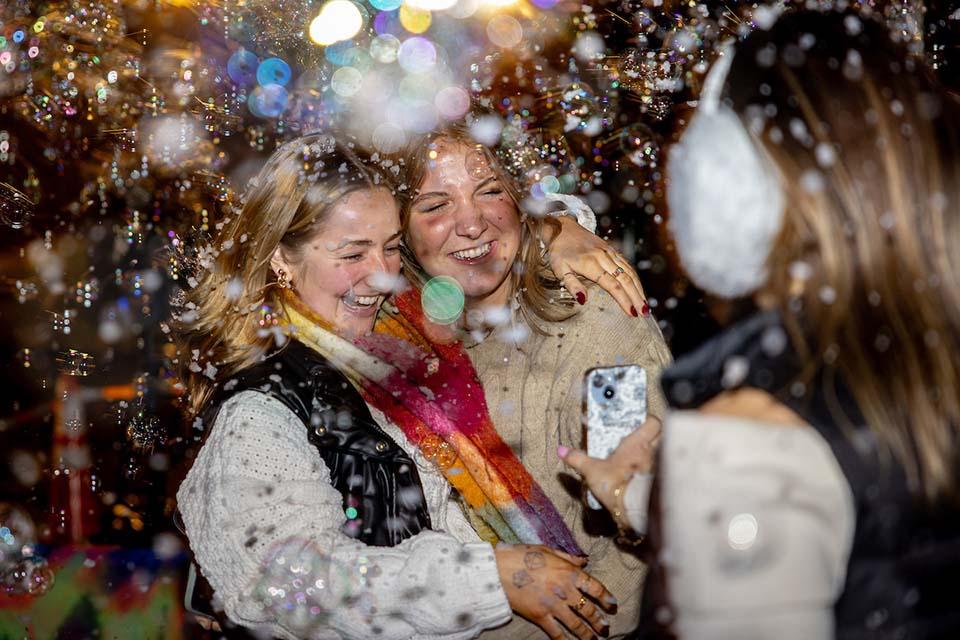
(757, 523)
(264, 523)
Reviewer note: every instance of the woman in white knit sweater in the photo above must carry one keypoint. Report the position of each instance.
(308, 511)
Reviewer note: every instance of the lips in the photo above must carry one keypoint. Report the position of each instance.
(473, 255)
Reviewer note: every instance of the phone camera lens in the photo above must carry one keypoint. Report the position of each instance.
(599, 381)
(609, 393)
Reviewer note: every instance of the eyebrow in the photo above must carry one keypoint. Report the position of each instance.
(441, 194)
(430, 194)
(363, 243)
(486, 181)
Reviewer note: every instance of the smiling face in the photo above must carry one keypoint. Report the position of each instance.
(346, 269)
(463, 224)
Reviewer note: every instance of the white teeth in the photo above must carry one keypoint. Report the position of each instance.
(476, 252)
(365, 301)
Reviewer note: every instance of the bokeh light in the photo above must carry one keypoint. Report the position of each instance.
(452, 102)
(346, 81)
(417, 55)
(442, 299)
(268, 101)
(384, 48)
(242, 67)
(415, 20)
(386, 5)
(431, 5)
(273, 71)
(338, 20)
(504, 31)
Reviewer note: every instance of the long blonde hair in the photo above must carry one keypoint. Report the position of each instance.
(539, 289)
(866, 267)
(227, 320)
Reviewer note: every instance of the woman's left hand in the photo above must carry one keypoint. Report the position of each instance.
(575, 251)
(635, 454)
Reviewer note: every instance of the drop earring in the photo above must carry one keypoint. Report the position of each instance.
(282, 279)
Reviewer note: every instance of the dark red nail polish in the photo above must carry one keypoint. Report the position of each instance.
(633, 311)
(581, 297)
(645, 309)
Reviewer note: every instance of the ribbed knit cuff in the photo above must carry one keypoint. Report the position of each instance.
(482, 579)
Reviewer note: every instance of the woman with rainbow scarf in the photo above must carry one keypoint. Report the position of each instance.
(319, 504)
(530, 335)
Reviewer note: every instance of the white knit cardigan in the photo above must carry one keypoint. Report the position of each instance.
(264, 523)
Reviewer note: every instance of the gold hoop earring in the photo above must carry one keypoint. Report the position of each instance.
(282, 279)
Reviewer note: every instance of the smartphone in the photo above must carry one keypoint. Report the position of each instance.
(614, 405)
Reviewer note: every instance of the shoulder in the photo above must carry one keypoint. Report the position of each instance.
(602, 325)
(766, 500)
(249, 416)
(725, 442)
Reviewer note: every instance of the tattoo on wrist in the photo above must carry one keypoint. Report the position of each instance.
(521, 579)
(534, 560)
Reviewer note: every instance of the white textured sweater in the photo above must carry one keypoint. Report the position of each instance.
(264, 523)
(757, 521)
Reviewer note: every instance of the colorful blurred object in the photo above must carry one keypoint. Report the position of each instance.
(101, 592)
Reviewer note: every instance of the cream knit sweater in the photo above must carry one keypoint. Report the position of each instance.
(264, 523)
(533, 391)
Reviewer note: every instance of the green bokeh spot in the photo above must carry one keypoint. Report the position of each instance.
(442, 300)
(351, 513)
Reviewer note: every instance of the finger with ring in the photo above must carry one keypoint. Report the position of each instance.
(580, 603)
(591, 614)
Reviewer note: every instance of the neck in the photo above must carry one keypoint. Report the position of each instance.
(498, 299)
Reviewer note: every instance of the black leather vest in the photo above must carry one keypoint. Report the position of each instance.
(382, 494)
(901, 574)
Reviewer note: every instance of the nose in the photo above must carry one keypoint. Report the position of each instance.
(470, 222)
(379, 273)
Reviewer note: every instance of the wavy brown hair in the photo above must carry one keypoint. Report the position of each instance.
(866, 267)
(226, 322)
(541, 298)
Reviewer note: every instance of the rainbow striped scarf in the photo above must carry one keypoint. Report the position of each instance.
(430, 390)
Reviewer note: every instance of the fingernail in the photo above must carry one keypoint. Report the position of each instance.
(645, 309)
(633, 311)
(581, 297)
(610, 599)
(562, 451)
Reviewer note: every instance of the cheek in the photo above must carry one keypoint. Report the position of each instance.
(394, 263)
(427, 234)
(327, 278)
(504, 215)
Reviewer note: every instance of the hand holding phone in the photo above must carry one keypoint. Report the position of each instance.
(614, 405)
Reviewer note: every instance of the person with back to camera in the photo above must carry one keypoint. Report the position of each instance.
(808, 483)
(307, 509)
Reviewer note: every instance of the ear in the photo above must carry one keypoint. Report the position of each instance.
(278, 262)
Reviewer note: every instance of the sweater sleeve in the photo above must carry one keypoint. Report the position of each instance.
(264, 522)
(757, 523)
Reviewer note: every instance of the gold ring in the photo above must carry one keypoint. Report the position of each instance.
(581, 603)
(618, 271)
